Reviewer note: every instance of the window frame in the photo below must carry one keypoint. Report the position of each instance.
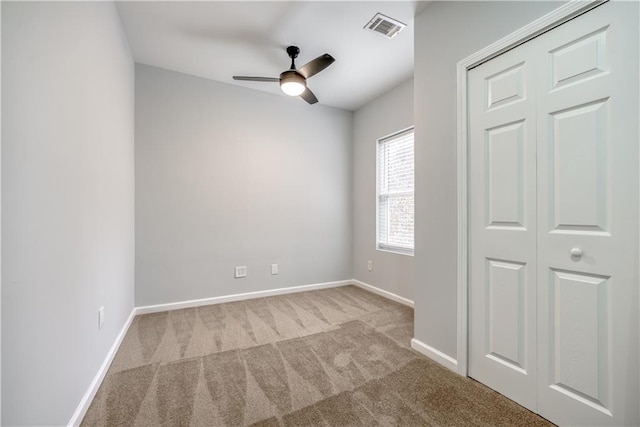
(401, 250)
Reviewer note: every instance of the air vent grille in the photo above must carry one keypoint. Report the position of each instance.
(384, 25)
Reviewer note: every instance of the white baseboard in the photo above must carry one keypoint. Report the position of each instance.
(435, 355)
(238, 297)
(82, 408)
(383, 293)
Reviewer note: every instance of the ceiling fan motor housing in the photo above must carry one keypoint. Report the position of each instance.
(293, 51)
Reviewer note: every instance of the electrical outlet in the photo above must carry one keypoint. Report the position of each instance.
(274, 269)
(369, 265)
(100, 317)
(241, 271)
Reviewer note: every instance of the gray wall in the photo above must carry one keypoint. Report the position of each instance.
(228, 176)
(68, 202)
(385, 115)
(445, 33)
(0, 225)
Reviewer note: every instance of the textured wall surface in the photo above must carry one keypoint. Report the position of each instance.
(383, 116)
(67, 199)
(226, 177)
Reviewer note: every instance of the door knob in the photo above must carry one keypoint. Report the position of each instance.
(576, 253)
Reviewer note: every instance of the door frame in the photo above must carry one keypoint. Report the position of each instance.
(547, 22)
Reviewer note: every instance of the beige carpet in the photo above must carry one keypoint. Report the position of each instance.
(334, 357)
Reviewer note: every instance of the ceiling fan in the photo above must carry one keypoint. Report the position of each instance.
(293, 82)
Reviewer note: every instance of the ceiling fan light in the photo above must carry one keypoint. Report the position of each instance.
(292, 88)
(292, 83)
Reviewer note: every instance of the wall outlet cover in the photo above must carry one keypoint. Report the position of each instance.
(241, 271)
(274, 268)
(369, 265)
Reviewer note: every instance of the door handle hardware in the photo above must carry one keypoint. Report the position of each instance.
(576, 254)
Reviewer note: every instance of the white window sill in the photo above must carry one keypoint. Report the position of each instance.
(397, 251)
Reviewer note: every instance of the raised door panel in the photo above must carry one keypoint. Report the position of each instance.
(505, 175)
(579, 193)
(506, 314)
(506, 86)
(580, 342)
(580, 59)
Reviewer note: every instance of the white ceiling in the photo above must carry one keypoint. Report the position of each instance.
(219, 39)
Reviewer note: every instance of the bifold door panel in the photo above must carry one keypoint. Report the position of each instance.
(503, 226)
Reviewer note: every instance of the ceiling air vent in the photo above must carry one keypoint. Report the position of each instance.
(384, 25)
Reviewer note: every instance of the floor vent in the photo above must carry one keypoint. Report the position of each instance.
(384, 25)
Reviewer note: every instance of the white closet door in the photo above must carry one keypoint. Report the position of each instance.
(502, 271)
(588, 219)
(554, 207)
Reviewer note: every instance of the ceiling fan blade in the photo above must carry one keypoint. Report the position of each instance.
(314, 66)
(308, 96)
(257, 79)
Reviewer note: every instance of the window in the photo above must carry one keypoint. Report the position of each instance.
(395, 192)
